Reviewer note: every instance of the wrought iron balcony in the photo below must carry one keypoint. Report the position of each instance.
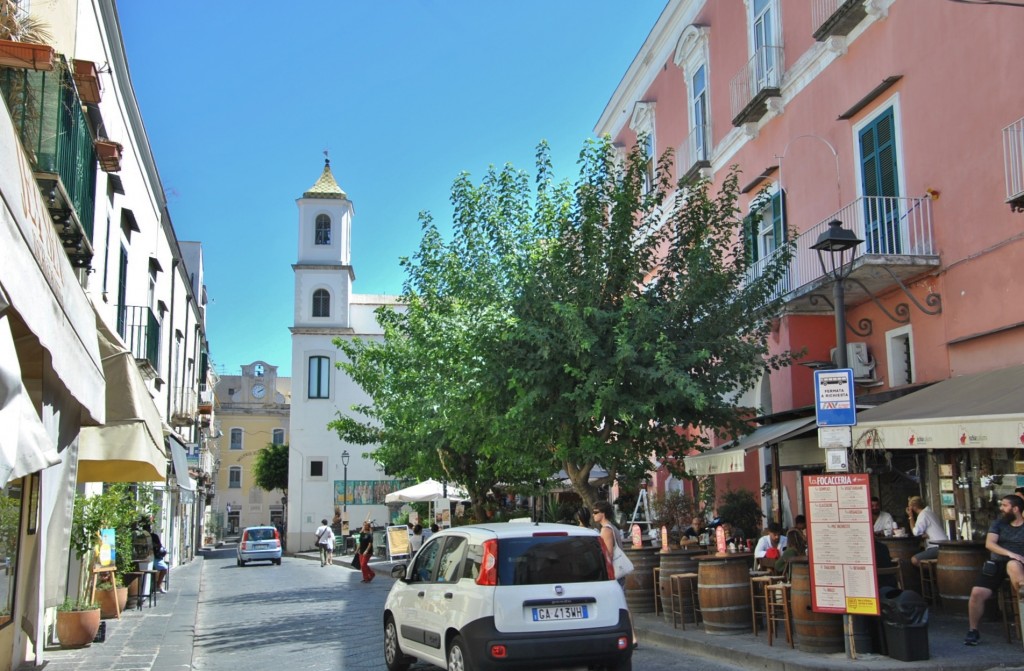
(694, 153)
(758, 80)
(139, 328)
(47, 111)
(836, 17)
(898, 245)
(1013, 160)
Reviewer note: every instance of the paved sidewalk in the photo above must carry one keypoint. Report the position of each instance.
(158, 638)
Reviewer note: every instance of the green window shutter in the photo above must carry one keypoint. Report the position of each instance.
(750, 237)
(779, 218)
(878, 157)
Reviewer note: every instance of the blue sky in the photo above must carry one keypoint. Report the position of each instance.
(240, 99)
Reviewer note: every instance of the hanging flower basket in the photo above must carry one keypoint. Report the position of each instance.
(26, 55)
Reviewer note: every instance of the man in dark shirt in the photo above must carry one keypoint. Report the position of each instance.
(1005, 540)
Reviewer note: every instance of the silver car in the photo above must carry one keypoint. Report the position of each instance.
(259, 544)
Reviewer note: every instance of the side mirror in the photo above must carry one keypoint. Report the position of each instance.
(398, 571)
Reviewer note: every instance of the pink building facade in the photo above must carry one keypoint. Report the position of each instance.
(901, 120)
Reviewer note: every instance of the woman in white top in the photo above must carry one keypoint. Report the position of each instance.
(325, 543)
(416, 539)
(604, 516)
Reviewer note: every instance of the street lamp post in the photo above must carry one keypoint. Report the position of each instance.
(837, 240)
(344, 491)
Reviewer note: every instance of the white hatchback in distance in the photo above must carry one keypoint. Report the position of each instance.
(509, 595)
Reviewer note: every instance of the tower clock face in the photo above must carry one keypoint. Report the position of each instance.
(259, 391)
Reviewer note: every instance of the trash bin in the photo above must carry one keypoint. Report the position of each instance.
(905, 621)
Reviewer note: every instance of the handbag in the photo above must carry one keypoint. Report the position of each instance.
(621, 563)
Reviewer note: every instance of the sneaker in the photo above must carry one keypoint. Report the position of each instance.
(973, 637)
(163, 590)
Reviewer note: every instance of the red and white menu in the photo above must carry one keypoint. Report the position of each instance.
(841, 544)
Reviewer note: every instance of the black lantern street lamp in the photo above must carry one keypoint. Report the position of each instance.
(344, 491)
(836, 241)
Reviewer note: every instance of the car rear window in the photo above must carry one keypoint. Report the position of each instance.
(260, 534)
(541, 560)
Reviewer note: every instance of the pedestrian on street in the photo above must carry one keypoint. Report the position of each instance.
(325, 542)
(365, 551)
(416, 539)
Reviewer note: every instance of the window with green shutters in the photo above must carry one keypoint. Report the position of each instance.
(880, 178)
(764, 229)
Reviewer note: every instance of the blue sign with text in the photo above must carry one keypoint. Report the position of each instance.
(833, 398)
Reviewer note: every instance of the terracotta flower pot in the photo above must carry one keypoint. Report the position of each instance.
(106, 597)
(77, 628)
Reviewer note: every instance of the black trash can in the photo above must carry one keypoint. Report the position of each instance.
(905, 622)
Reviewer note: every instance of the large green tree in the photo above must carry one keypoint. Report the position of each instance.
(641, 322)
(270, 468)
(562, 327)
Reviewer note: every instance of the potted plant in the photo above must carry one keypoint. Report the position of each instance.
(112, 597)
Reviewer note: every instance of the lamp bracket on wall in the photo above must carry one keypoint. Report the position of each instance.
(864, 326)
(901, 312)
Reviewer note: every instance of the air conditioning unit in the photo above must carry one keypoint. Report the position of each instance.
(859, 359)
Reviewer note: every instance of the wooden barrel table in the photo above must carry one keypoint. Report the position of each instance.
(723, 590)
(903, 548)
(812, 632)
(958, 567)
(673, 562)
(639, 585)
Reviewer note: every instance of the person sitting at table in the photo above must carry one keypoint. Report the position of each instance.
(771, 545)
(692, 532)
(925, 523)
(796, 546)
(1005, 540)
(883, 521)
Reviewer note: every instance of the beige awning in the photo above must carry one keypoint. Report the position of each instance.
(969, 411)
(25, 446)
(729, 459)
(129, 447)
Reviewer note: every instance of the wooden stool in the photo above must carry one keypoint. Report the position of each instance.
(657, 590)
(758, 597)
(929, 585)
(894, 570)
(681, 605)
(1009, 604)
(776, 597)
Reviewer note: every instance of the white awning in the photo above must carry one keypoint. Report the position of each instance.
(969, 411)
(179, 459)
(25, 447)
(428, 490)
(729, 459)
(129, 447)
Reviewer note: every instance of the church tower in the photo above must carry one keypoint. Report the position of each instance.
(328, 478)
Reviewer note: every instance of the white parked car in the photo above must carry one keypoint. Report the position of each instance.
(509, 595)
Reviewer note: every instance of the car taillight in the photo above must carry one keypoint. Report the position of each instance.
(550, 533)
(608, 562)
(277, 537)
(489, 564)
(499, 651)
(245, 540)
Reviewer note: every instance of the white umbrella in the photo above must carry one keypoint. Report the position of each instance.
(428, 490)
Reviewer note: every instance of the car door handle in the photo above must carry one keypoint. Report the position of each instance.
(419, 594)
(449, 595)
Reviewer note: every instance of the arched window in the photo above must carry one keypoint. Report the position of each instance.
(323, 230)
(278, 438)
(321, 303)
(236, 439)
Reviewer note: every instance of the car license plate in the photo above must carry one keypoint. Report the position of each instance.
(259, 546)
(559, 613)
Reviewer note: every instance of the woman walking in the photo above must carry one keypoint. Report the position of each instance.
(325, 542)
(365, 550)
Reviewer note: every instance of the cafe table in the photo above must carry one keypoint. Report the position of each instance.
(958, 567)
(723, 591)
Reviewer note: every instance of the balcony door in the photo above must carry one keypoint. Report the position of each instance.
(880, 177)
(764, 37)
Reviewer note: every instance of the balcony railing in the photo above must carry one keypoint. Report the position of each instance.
(1013, 159)
(140, 330)
(47, 111)
(890, 227)
(205, 399)
(694, 153)
(835, 17)
(184, 406)
(758, 80)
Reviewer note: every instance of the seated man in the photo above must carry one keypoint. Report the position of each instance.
(926, 524)
(771, 545)
(1005, 540)
(693, 531)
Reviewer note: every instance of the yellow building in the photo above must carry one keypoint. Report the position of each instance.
(252, 410)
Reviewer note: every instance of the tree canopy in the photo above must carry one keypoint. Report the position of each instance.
(270, 468)
(566, 326)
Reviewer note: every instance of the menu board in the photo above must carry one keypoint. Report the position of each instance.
(841, 544)
(398, 541)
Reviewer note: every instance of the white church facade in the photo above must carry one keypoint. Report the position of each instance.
(325, 309)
